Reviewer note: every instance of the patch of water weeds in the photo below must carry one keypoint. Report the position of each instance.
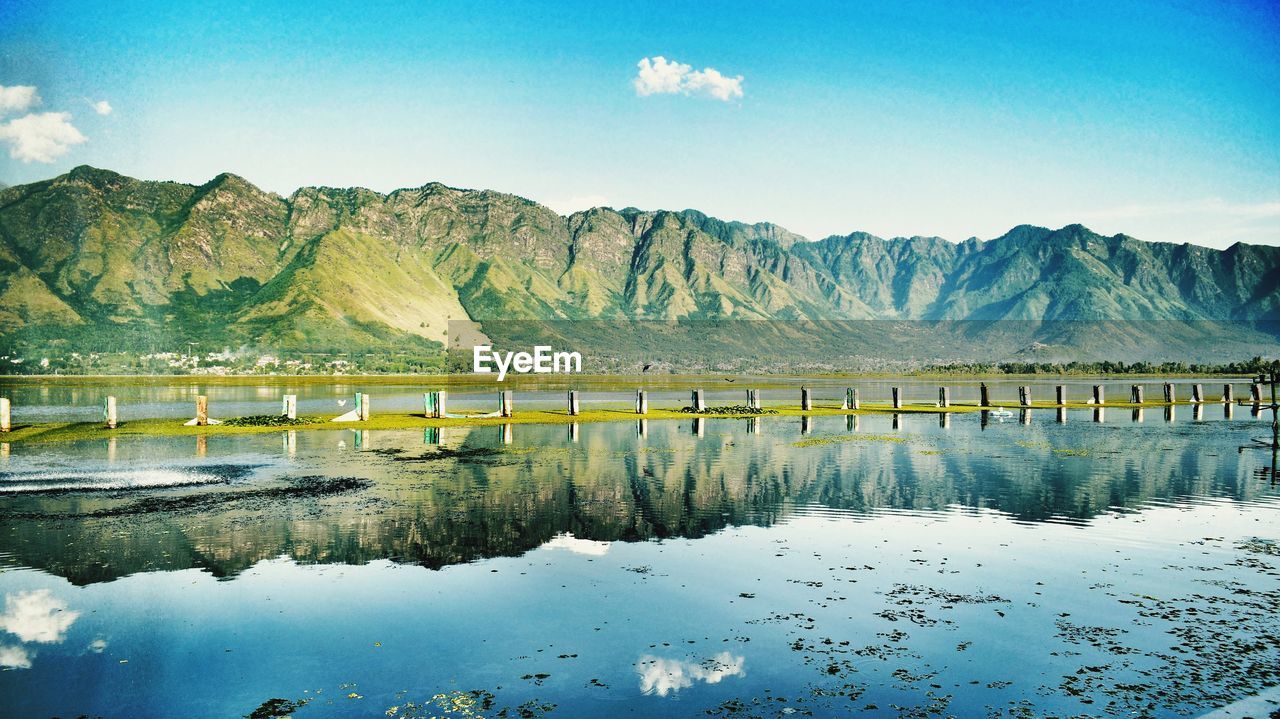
(837, 438)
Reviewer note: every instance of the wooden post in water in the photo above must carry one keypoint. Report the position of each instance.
(642, 427)
(1061, 394)
(642, 402)
(944, 397)
(806, 424)
(984, 395)
(1255, 394)
(1099, 394)
(573, 431)
(699, 403)
(508, 433)
(897, 397)
(851, 396)
(1135, 394)
(289, 406)
(202, 410)
(699, 427)
(944, 420)
(364, 407)
(506, 403)
(434, 404)
(1197, 394)
(1024, 396)
(1197, 412)
(573, 403)
(806, 399)
(109, 412)
(1062, 415)
(1169, 395)
(1228, 393)
(5, 422)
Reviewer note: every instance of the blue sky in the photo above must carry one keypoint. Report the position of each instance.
(1161, 120)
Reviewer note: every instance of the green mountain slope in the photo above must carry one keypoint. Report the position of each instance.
(94, 259)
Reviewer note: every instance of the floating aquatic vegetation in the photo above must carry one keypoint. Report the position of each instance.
(833, 439)
(270, 420)
(729, 409)
(277, 708)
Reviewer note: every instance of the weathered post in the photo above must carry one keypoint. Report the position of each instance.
(1255, 394)
(5, 423)
(506, 403)
(851, 396)
(1135, 394)
(1061, 394)
(441, 408)
(109, 412)
(1024, 396)
(897, 397)
(365, 407)
(1024, 416)
(984, 395)
(289, 406)
(944, 397)
(699, 403)
(806, 399)
(642, 402)
(1197, 393)
(1099, 394)
(1228, 393)
(699, 427)
(202, 410)
(573, 403)
(753, 399)
(1169, 395)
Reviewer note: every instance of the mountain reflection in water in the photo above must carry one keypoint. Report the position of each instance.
(468, 494)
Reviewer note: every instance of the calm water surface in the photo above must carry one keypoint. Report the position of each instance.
(871, 566)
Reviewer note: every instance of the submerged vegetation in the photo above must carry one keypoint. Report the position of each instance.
(729, 410)
(271, 420)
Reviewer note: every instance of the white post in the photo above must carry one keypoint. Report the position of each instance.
(109, 412)
(364, 407)
(944, 397)
(5, 423)
(573, 403)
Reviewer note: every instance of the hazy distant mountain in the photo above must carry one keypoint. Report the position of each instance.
(106, 260)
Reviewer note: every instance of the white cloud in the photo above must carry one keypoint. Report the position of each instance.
(40, 137)
(14, 657)
(660, 76)
(17, 98)
(663, 676)
(574, 204)
(36, 616)
(586, 547)
(102, 107)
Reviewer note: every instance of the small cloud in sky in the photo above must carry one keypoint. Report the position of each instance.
(575, 204)
(40, 137)
(37, 136)
(17, 98)
(102, 107)
(660, 76)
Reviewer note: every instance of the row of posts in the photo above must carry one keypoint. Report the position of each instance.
(434, 403)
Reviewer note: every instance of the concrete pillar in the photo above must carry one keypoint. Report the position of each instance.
(944, 397)
(1060, 393)
(574, 408)
(109, 412)
(202, 410)
(897, 397)
(806, 399)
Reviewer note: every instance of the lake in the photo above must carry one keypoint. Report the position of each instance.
(876, 565)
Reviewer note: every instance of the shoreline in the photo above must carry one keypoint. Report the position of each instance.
(45, 432)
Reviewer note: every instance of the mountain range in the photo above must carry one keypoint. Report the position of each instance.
(98, 260)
